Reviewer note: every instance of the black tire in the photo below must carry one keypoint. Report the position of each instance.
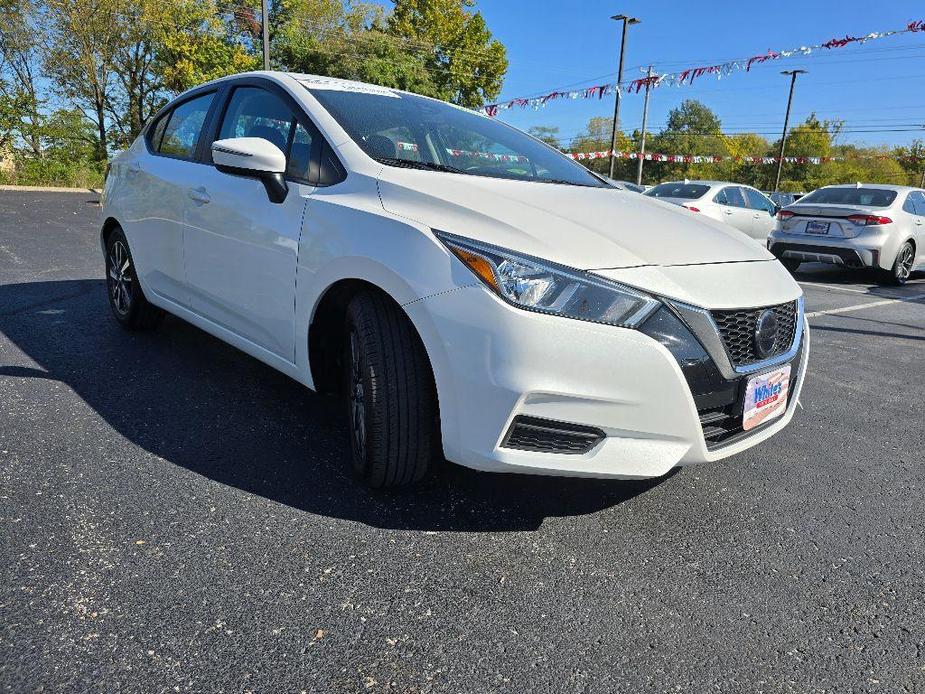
(898, 275)
(391, 398)
(792, 264)
(126, 299)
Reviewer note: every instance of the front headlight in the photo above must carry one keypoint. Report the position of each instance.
(539, 285)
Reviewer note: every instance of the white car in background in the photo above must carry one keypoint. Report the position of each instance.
(881, 227)
(469, 292)
(743, 207)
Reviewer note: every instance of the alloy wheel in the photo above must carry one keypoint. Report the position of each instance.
(120, 278)
(904, 263)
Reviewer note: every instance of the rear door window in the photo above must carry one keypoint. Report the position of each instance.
(731, 196)
(180, 134)
(918, 201)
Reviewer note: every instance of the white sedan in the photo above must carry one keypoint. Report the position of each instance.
(743, 207)
(469, 292)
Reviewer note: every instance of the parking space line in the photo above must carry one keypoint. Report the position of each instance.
(837, 289)
(871, 304)
(843, 289)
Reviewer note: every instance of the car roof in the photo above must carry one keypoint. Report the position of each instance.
(880, 186)
(710, 183)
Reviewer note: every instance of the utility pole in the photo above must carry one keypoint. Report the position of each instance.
(645, 117)
(783, 140)
(266, 34)
(616, 109)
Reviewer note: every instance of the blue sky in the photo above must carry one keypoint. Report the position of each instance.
(877, 86)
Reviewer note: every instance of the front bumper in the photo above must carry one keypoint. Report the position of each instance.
(870, 249)
(493, 363)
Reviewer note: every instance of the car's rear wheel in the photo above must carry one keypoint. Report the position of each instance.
(129, 305)
(792, 264)
(902, 266)
(391, 398)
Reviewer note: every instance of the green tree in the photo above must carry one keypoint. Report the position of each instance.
(692, 128)
(466, 64)
(20, 102)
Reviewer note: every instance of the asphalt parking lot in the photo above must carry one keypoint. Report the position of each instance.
(175, 516)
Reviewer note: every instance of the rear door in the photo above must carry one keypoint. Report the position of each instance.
(241, 248)
(733, 208)
(155, 184)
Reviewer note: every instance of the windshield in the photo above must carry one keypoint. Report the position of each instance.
(415, 132)
(866, 197)
(686, 191)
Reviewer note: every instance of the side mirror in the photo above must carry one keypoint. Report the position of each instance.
(253, 157)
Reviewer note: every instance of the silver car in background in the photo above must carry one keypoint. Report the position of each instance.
(742, 207)
(860, 226)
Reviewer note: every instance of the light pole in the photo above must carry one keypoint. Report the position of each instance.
(645, 117)
(627, 20)
(266, 33)
(783, 140)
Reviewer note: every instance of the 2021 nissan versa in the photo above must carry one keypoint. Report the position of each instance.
(470, 291)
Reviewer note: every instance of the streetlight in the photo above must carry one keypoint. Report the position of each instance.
(783, 140)
(627, 20)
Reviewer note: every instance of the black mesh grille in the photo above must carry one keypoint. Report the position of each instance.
(547, 436)
(737, 329)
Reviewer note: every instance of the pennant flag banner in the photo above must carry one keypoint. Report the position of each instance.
(713, 159)
(688, 76)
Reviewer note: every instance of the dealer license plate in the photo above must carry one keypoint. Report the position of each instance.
(817, 227)
(766, 397)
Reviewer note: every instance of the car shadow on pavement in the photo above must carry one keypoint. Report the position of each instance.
(198, 403)
(822, 273)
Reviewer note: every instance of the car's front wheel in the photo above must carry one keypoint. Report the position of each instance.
(128, 302)
(902, 266)
(391, 398)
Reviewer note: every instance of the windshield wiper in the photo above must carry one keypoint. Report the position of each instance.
(410, 164)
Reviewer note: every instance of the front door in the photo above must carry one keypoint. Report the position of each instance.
(241, 248)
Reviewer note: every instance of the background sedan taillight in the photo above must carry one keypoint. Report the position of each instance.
(869, 219)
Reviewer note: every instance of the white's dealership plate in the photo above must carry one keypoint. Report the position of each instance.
(766, 397)
(817, 227)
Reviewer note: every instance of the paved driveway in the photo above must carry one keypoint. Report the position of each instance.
(174, 516)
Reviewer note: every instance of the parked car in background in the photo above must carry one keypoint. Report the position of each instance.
(742, 207)
(626, 185)
(468, 292)
(863, 226)
(783, 199)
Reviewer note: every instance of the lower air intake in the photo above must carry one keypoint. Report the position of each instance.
(548, 436)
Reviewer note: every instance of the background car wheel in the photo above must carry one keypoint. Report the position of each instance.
(128, 302)
(792, 264)
(902, 266)
(391, 398)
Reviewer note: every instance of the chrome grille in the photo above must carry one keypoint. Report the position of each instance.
(737, 328)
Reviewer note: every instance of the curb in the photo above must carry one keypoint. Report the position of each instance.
(49, 189)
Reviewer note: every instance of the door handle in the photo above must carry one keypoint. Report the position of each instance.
(756, 216)
(727, 211)
(199, 195)
(133, 169)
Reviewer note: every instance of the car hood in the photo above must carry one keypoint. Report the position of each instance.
(582, 227)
